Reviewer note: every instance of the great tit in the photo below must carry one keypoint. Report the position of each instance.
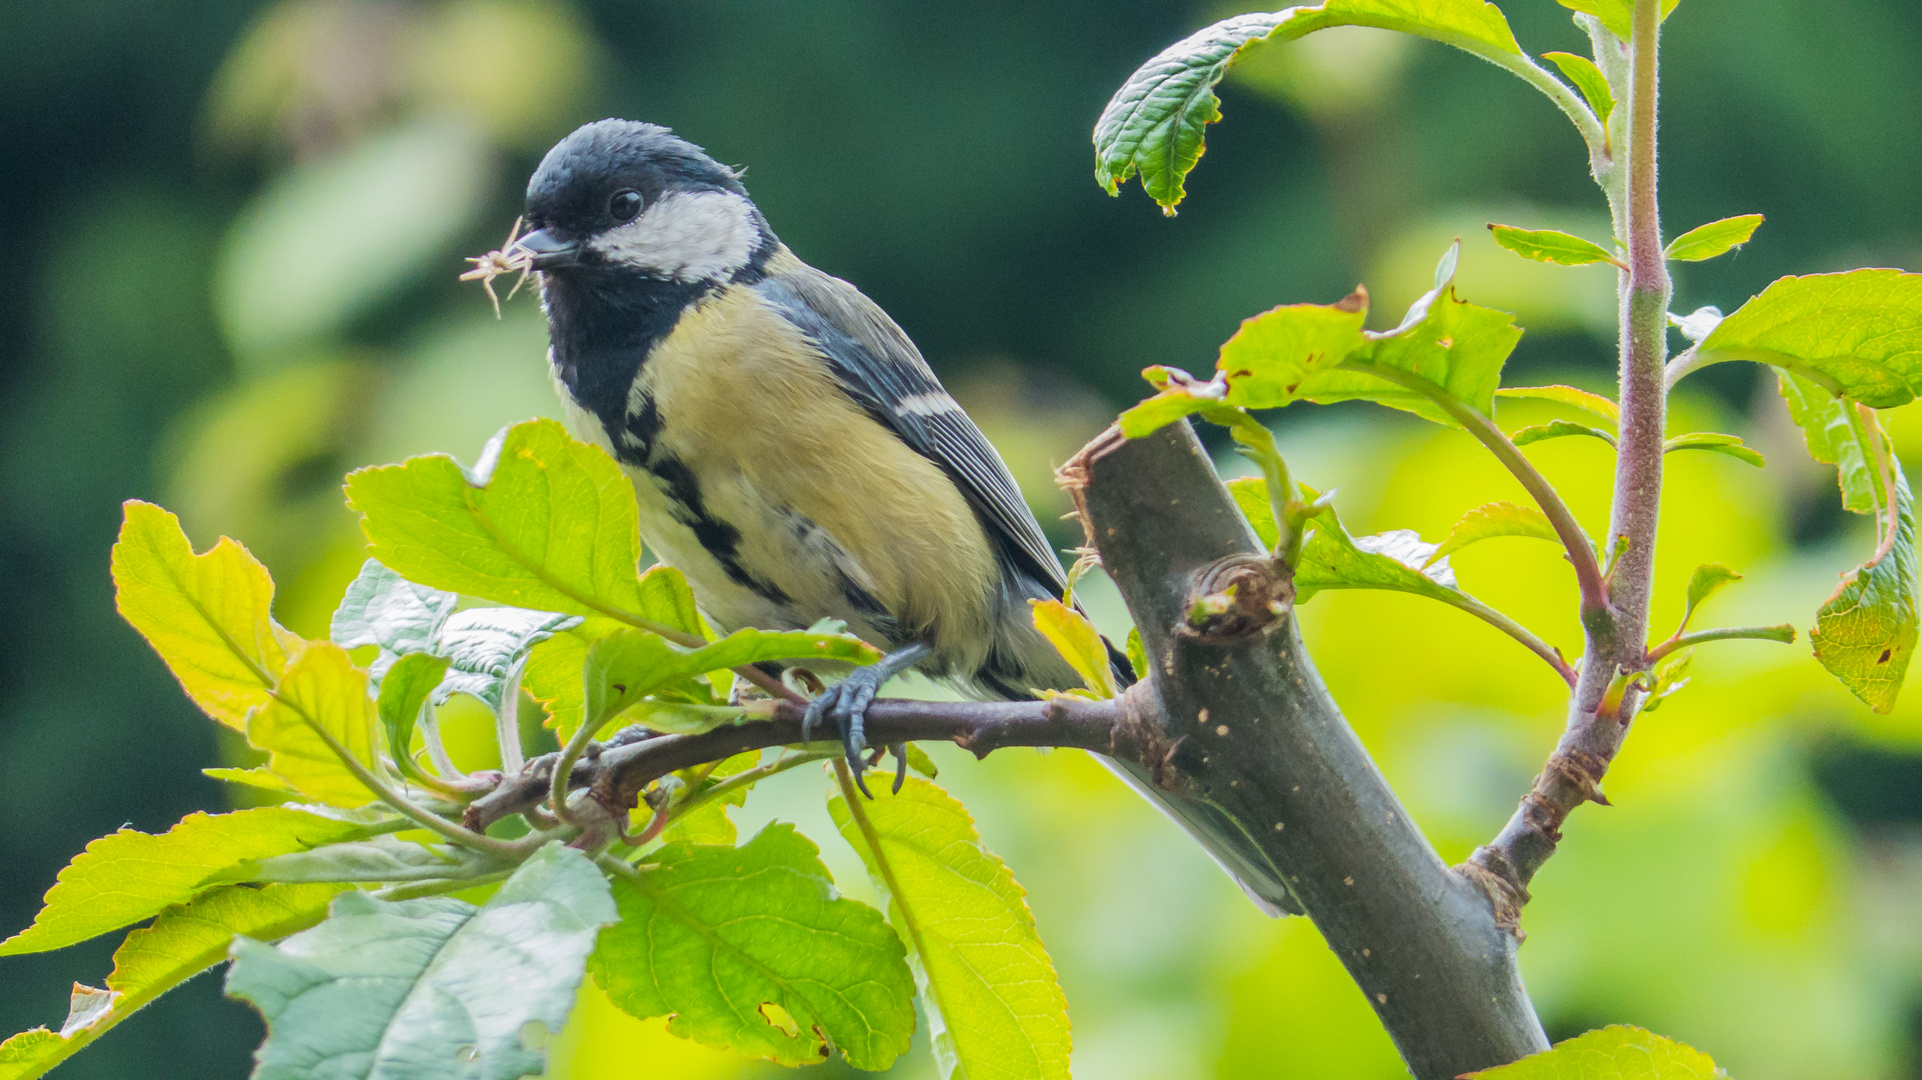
(792, 452)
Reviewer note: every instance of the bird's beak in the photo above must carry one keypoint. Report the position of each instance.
(549, 251)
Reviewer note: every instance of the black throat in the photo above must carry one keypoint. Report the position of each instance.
(602, 323)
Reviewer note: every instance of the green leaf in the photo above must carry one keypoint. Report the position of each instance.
(1611, 1053)
(403, 693)
(1154, 123)
(1595, 404)
(1715, 238)
(542, 522)
(382, 859)
(1076, 639)
(128, 876)
(206, 615)
(1494, 519)
(1398, 561)
(1251, 495)
(1587, 78)
(1137, 659)
(428, 987)
(627, 666)
(1670, 677)
(1707, 580)
(1617, 15)
(1551, 246)
(319, 712)
(920, 762)
(1275, 356)
(1833, 439)
(1857, 334)
(1556, 429)
(183, 942)
(987, 985)
(384, 609)
(1716, 443)
(483, 646)
(1865, 634)
(716, 935)
(264, 779)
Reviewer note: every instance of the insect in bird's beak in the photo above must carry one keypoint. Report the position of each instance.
(509, 258)
(547, 251)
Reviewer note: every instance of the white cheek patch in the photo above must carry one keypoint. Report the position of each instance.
(687, 236)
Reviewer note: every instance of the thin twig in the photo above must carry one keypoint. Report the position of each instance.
(1785, 633)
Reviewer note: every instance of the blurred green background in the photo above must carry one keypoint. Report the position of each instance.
(239, 227)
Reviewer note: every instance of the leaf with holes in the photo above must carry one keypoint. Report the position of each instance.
(1494, 519)
(1865, 634)
(752, 949)
(1856, 334)
(207, 615)
(1154, 123)
(430, 987)
(987, 985)
(1715, 238)
(1551, 246)
(128, 876)
(1611, 1053)
(1716, 443)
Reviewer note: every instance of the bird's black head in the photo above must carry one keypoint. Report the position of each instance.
(626, 197)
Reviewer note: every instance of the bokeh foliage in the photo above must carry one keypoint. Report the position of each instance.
(244, 223)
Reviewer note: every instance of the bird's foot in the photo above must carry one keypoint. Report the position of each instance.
(844, 707)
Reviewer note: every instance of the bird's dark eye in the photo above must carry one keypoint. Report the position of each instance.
(625, 204)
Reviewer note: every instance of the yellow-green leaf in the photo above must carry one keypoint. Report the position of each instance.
(1617, 15)
(1834, 437)
(1567, 395)
(1275, 353)
(1715, 238)
(1551, 246)
(543, 521)
(128, 876)
(1588, 79)
(1078, 642)
(319, 711)
(1494, 519)
(1865, 634)
(1251, 495)
(1556, 429)
(1856, 334)
(1611, 1053)
(207, 615)
(1707, 580)
(1716, 443)
(986, 983)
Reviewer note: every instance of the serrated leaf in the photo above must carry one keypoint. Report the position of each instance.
(1587, 78)
(483, 645)
(1154, 123)
(1594, 404)
(542, 522)
(1276, 355)
(403, 693)
(1490, 520)
(1707, 580)
(1617, 15)
(1251, 495)
(320, 709)
(1618, 1052)
(207, 615)
(711, 934)
(1076, 639)
(427, 987)
(1833, 440)
(1865, 634)
(988, 988)
(552, 674)
(128, 876)
(384, 609)
(1556, 429)
(1716, 443)
(1857, 334)
(1551, 246)
(183, 942)
(1715, 238)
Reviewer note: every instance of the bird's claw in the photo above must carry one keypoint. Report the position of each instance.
(843, 707)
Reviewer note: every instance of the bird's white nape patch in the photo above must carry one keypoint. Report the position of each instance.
(686, 236)
(926, 405)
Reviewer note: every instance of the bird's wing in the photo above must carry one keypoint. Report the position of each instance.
(880, 368)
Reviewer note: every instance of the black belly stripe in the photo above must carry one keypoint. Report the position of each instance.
(719, 539)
